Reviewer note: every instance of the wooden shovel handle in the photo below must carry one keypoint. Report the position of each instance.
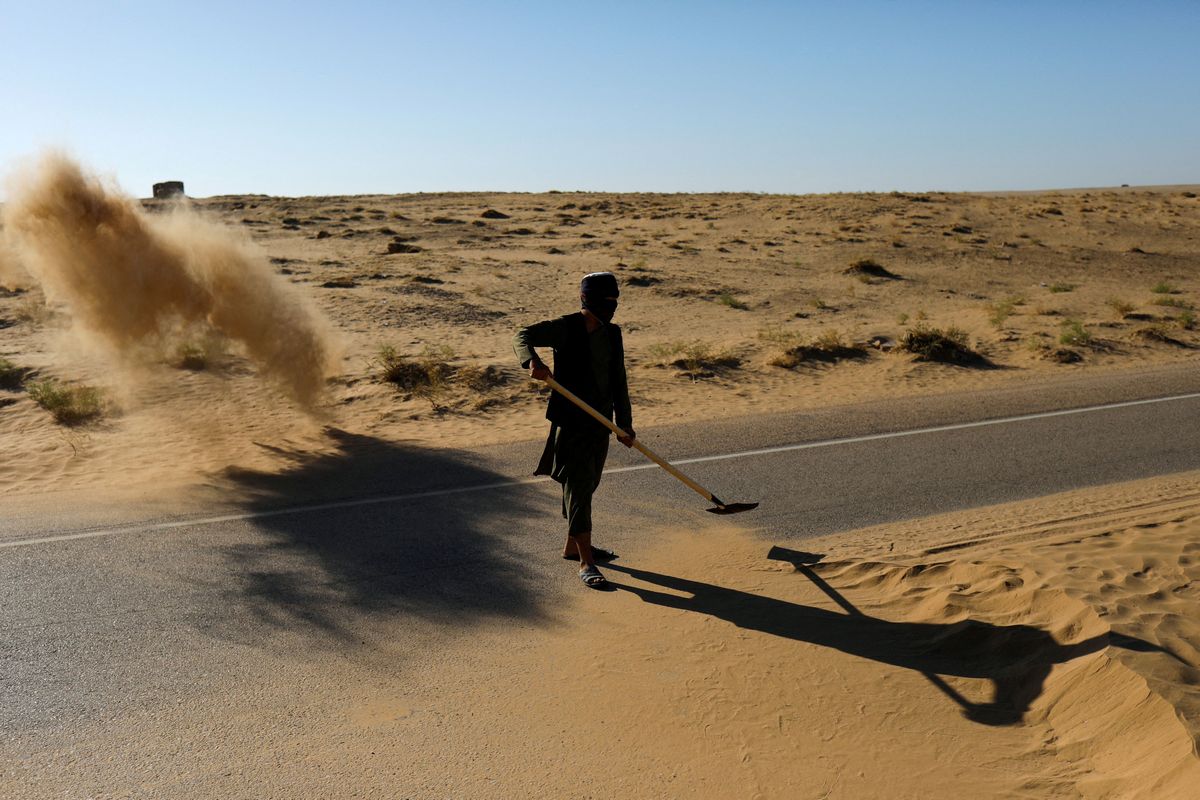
(650, 454)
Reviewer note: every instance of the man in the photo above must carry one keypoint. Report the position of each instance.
(589, 360)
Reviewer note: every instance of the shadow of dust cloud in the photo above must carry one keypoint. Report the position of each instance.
(451, 560)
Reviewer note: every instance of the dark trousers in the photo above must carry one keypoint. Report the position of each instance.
(577, 462)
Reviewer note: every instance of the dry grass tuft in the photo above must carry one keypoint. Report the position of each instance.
(695, 359)
(1172, 302)
(728, 299)
(1120, 307)
(1001, 310)
(780, 336)
(1074, 333)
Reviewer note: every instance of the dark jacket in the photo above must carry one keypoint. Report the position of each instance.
(569, 338)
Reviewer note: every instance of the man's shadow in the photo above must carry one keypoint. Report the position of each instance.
(1015, 658)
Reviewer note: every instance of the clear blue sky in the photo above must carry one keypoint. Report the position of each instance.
(325, 97)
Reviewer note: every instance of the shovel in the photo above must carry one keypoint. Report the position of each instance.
(720, 507)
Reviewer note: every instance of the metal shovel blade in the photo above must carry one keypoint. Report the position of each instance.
(732, 508)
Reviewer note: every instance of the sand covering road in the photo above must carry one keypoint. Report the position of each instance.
(1054, 655)
(1055, 659)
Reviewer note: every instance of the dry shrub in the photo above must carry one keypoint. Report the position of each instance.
(190, 357)
(70, 405)
(431, 377)
(200, 351)
(949, 345)
(425, 376)
(134, 282)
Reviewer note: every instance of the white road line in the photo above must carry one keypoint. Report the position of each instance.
(396, 498)
(916, 432)
(191, 522)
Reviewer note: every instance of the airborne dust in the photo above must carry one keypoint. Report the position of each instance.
(140, 284)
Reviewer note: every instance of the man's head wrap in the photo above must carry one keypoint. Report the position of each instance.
(600, 284)
(599, 290)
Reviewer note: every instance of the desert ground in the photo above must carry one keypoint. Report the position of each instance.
(732, 304)
(1041, 649)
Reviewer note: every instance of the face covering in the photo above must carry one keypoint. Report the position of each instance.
(602, 307)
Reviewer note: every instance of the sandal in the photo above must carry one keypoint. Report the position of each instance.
(598, 553)
(592, 578)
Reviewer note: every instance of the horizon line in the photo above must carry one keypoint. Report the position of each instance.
(1155, 187)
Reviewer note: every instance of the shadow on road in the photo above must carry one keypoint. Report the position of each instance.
(1015, 658)
(442, 558)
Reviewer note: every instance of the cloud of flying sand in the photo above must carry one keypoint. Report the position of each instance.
(11, 274)
(137, 282)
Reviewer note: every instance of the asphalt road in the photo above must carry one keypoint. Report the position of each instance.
(122, 618)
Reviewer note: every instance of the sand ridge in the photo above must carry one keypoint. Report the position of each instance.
(1057, 668)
